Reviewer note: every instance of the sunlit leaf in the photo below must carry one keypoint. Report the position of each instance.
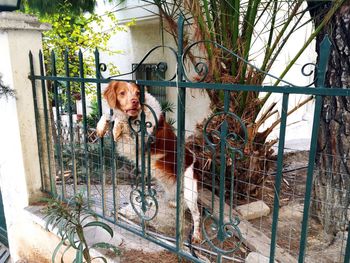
(100, 224)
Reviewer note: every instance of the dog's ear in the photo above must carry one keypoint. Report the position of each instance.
(110, 94)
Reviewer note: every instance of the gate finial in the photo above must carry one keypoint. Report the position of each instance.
(325, 48)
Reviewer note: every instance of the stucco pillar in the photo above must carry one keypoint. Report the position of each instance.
(19, 162)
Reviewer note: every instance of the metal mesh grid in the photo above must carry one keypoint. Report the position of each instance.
(319, 249)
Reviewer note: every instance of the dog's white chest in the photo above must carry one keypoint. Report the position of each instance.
(126, 147)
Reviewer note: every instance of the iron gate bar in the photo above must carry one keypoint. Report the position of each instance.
(216, 86)
(213, 171)
(59, 128)
(223, 142)
(237, 87)
(85, 128)
(36, 113)
(309, 179)
(347, 249)
(180, 145)
(46, 118)
(71, 125)
(321, 74)
(224, 230)
(101, 140)
(233, 167)
(143, 160)
(114, 161)
(221, 235)
(278, 177)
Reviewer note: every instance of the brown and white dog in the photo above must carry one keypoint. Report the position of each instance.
(124, 99)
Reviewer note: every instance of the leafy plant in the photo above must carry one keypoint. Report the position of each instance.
(51, 7)
(71, 219)
(166, 107)
(75, 38)
(257, 32)
(93, 116)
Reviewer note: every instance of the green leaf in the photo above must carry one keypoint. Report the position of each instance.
(50, 219)
(103, 259)
(56, 251)
(64, 252)
(70, 237)
(102, 225)
(79, 254)
(62, 227)
(86, 217)
(57, 223)
(105, 245)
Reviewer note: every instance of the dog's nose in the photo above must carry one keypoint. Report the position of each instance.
(134, 101)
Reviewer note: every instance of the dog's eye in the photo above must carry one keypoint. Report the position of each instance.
(137, 93)
(122, 93)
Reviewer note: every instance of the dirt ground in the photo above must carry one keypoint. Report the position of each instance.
(321, 247)
(138, 256)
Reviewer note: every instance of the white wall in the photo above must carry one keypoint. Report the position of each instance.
(299, 123)
(19, 159)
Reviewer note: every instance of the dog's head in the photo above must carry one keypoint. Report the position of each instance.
(123, 96)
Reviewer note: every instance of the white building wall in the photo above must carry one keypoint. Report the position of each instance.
(20, 180)
(299, 124)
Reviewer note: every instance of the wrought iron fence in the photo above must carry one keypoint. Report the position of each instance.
(122, 191)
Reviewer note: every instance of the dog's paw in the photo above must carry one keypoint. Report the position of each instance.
(102, 126)
(197, 237)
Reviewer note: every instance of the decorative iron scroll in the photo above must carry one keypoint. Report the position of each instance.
(229, 230)
(224, 235)
(202, 69)
(143, 200)
(303, 71)
(160, 67)
(234, 141)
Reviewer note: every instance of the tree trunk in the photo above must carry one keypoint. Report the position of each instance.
(332, 175)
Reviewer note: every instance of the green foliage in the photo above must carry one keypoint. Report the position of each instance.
(73, 33)
(166, 107)
(254, 30)
(51, 7)
(71, 219)
(93, 117)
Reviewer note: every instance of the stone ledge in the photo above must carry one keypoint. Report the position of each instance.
(20, 21)
(254, 257)
(93, 234)
(253, 210)
(122, 238)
